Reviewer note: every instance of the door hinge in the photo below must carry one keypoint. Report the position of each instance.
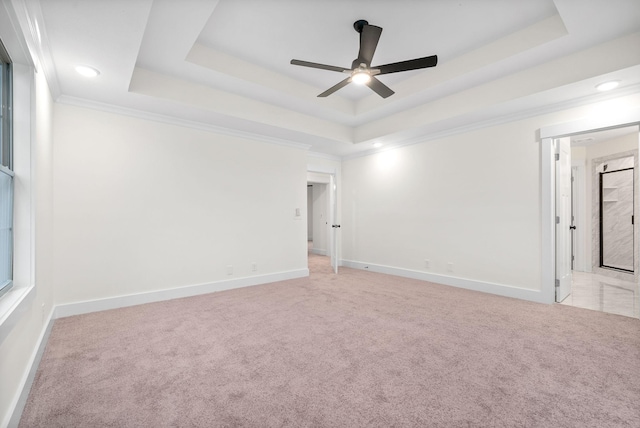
(632, 220)
(557, 283)
(557, 156)
(557, 219)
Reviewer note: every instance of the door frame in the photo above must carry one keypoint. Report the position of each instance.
(547, 135)
(580, 210)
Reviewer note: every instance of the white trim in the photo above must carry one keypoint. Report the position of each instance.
(580, 212)
(12, 36)
(590, 124)
(468, 284)
(17, 300)
(171, 120)
(319, 251)
(548, 212)
(321, 169)
(78, 308)
(19, 400)
(507, 118)
(39, 51)
(13, 304)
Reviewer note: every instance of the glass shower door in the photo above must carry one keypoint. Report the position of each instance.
(616, 219)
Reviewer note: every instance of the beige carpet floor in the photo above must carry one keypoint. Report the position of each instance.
(353, 350)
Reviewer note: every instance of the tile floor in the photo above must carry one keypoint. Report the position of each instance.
(605, 294)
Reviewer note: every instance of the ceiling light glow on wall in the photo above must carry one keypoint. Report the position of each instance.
(377, 145)
(87, 71)
(607, 86)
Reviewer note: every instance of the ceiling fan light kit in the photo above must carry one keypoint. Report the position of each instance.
(360, 77)
(361, 71)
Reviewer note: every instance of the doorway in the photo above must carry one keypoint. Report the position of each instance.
(602, 236)
(318, 218)
(322, 214)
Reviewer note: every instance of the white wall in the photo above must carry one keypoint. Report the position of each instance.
(144, 206)
(471, 199)
(616, 145)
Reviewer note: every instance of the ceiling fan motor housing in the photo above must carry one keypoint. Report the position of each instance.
(359, 24)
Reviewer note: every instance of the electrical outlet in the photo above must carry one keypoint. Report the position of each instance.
(427, 264)
(229, 269)
(449, 267)
(254, 266)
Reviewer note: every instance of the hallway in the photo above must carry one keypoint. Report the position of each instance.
(318, 264)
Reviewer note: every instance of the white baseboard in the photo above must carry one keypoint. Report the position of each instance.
(319, 251)
(469, 284)
(78, 308)
(20, 399)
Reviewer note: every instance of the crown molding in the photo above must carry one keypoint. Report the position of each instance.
(30, 22)
(156, 117)
(426, 137)
(503, 119)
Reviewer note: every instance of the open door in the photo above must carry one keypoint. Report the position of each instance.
(563, 218)
(335, 227)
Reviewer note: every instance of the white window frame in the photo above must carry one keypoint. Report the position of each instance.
(6, 89)
(19, 299)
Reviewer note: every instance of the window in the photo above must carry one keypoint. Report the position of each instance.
(6, 173)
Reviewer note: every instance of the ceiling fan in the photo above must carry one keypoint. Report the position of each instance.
(361, 71)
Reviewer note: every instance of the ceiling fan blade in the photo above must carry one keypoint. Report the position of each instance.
(412, 64)
(320, 66)
(334, 88)
(380, 88)
(368, 42)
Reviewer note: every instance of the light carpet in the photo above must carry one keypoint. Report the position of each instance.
(356, 349)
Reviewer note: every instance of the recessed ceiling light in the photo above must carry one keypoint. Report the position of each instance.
(607, 86)
(87, 71)
(376, 145)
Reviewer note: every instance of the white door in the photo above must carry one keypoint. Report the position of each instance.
(333, 220)
(563, 218)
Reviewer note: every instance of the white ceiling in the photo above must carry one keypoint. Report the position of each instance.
(224, 64)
